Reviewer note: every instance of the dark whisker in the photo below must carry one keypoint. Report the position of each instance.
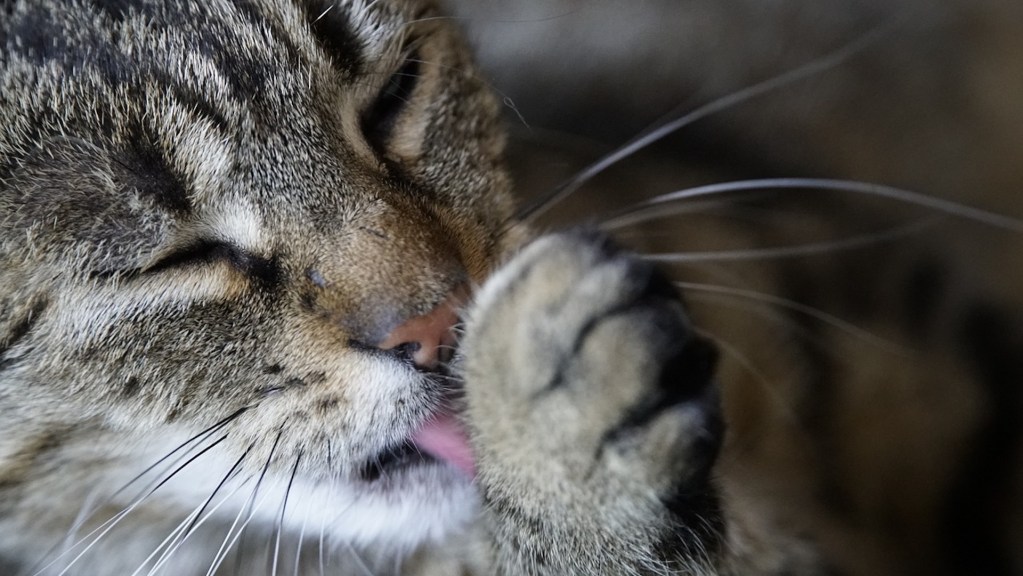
(109, 525)
(194, 440)
(215, 564)
(191, 523)
(284, 509)
(198, 437)
(248, 511)
(230, 474)
(189, 461)
(206, 433)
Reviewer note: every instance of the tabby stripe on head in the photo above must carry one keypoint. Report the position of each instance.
(21, 329)
(202, 107)
(251, 13)
(7, 9)
(335, 34)
(146, 170)
(115, 10)
(247, 76)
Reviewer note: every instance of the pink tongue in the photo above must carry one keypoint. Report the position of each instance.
(444, 438)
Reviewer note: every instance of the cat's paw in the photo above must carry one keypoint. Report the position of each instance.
(591, 405)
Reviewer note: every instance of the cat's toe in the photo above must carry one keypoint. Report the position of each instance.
(593, 411)
(581, 365)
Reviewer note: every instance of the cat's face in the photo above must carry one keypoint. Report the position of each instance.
(218, 210)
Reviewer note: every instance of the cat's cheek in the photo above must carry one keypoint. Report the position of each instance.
(409, 507)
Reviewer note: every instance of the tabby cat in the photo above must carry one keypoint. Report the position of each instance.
(267, 306)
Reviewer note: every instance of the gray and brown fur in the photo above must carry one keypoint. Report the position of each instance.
(208, 224)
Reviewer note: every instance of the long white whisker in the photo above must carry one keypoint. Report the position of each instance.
(330, 503)
(336, 518)
(196, 519)
(284, 509)
(168, 543)
(852, 186)
(810, 311)
(359, 561)
(83, 516)
(228, 545)
(225, 547)
(301, 534)
(623, 219)
(192, 443)
(324, 13)
(171, 543)
(110, 524)
(747, 365)
(812, 68)
(809, 249)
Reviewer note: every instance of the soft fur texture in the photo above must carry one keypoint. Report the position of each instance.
(214, 213)
(196, 223)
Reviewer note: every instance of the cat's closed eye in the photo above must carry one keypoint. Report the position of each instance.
(206, 251)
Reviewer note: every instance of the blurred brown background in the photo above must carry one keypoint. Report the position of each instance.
(873, 393)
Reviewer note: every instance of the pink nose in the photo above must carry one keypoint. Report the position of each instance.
(427, 337)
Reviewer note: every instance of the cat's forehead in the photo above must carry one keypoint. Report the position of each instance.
(54, 30)
(252, 122)
(206, 85)
(213, 50)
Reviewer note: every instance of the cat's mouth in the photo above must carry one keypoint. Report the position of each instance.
(392, 459)
(441, 439)
(427, 344)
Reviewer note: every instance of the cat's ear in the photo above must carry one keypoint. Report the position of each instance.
(73, 201)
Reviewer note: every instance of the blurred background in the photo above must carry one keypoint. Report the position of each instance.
(871, 348)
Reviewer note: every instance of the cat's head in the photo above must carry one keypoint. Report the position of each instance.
(216, 217)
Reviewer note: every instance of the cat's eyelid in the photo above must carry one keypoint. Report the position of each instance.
(195, 252)
(208, 251)
(236, 239)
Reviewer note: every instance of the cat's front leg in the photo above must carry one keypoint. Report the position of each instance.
(593, 416)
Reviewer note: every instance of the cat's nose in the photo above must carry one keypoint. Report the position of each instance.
(428, 339)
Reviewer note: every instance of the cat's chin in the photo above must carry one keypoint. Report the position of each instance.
(413, 500)
(407, 505)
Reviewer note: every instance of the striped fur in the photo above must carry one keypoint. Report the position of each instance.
(211, 213)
